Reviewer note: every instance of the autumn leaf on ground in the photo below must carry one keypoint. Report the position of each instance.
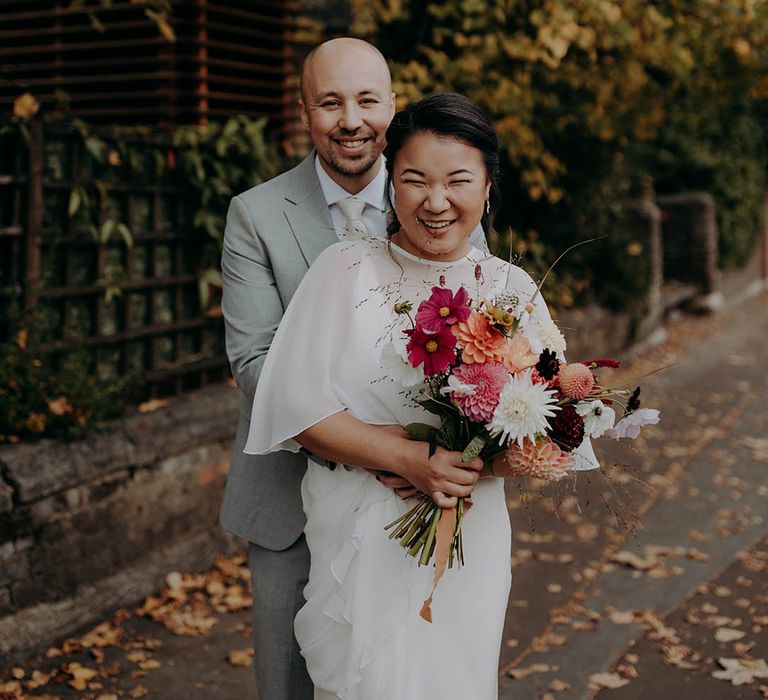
(138, 692)
(520, 673)
(558, 686)
(240, 657)
(606, 680)
(104, 635)
(80, 675)
(741, 671)
(728, 634)
(152, 405)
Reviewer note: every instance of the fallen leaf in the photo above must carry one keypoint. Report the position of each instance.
(149, 665)
(633, 560)
(621, 617)
(138, 692)
(558, 686)
(80, 675)
(240, 657)
(520, 673)
(107, 696)
(741, 671)
(148, 407)
(606, 680)
(727, 634)
(174, 580)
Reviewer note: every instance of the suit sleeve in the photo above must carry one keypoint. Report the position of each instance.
(251, 303)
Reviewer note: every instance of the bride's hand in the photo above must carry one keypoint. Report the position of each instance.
(443, 475)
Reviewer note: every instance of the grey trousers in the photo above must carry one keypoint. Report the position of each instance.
(278, 580)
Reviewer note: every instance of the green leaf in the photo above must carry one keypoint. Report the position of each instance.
(74, 201)
(439, 408)
(422, 431)
(126, 234)
(107, 229)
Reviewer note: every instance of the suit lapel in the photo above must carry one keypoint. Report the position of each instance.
(307, 212)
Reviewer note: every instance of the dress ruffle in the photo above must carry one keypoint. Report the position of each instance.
(349, 618)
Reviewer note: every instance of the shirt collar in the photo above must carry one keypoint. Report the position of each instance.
(372, 193)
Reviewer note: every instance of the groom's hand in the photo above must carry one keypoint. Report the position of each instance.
(402, 487)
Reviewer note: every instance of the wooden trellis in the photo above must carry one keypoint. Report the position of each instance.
(132, 308)
(229, 57)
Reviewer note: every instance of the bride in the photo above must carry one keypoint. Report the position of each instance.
(326, 386)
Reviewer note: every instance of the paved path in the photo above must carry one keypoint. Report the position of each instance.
(710, 502)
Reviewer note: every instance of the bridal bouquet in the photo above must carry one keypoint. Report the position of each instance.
(494, 373)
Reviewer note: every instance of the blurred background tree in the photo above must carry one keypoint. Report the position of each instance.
(597, 101)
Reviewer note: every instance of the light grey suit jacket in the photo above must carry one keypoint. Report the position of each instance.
(274, 232)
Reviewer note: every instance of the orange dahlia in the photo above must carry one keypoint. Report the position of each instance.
(479, 340)
(542, 459)
(519, 355)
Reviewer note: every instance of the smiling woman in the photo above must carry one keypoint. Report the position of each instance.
(442, 163)
(441, 187)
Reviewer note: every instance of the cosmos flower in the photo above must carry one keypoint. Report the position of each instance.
(629, 426)
(443, 308)
(434, 350)
(597, 417)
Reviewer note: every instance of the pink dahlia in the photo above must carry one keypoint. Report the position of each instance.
(542, 459)
(435, 350)
(488, 379)
(576, 380)
(443, 308)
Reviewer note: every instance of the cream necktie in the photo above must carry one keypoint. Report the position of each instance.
(353, 210)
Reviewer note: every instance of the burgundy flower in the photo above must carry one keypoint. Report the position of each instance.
(602, 362)
(435, 350)
(443, 308)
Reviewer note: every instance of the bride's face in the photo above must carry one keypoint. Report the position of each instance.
(441, 186)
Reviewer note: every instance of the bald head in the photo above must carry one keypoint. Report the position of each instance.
(347, 50)
(346, 104)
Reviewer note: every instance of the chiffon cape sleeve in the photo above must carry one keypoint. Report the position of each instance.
(296, 388)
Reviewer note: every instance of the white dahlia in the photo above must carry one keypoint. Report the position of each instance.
(523, 410)
(545, 335)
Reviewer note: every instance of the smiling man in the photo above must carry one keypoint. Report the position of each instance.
(273, 233)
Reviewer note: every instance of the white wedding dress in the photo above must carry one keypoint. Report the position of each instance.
(360, 630)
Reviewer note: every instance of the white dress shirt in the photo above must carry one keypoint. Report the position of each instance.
(375, 213)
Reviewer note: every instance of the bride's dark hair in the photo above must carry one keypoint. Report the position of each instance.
(452, 116)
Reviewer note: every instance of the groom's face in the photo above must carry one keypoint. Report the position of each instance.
(347, 104)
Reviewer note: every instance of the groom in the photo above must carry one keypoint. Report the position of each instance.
(273, 233)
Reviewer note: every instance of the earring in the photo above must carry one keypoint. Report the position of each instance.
(487, 206)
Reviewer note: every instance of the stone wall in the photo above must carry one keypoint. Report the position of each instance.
(90, 525)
